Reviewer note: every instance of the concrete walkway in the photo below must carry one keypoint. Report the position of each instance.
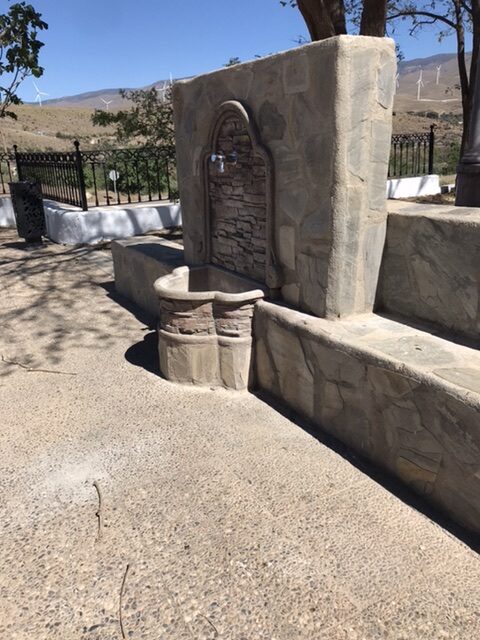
(211, 516)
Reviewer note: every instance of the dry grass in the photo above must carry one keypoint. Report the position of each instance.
(51, 128)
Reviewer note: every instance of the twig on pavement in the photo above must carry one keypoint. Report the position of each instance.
(33, 369)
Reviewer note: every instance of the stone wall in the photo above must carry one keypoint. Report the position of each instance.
(431, 267)
(322, 114)
(408, 401)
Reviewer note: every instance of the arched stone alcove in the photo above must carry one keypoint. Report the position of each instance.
(239, 225)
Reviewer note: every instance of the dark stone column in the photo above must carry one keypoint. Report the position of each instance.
(468, 171)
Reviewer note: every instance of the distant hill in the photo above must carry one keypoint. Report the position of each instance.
(59, 121)
(52, 128)
(443, 97)
(93, 99)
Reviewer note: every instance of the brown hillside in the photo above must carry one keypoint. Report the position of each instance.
(51, 128)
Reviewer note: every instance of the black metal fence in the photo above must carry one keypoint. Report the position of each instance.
(58, 173)
(148, 174)
(412, 154)
(101, 177)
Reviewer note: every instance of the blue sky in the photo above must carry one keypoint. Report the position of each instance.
(96, 44)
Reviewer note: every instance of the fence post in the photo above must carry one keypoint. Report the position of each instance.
(19, 171)
(80, 176)
(431, 146)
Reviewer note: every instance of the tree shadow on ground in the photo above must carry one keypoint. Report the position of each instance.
(381, 477)
(51, 303)
(142, 354)
(142, 316)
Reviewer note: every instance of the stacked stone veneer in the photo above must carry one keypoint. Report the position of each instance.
(322, 115)
(238, 203)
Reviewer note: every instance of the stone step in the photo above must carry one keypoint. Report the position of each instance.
(404, 398)
(431, 266)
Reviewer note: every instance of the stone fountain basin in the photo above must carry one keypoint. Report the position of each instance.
(205, 328)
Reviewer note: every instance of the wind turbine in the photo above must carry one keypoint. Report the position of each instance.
(397, 82)
(419, 84)
(106, 103)
(39, 94)
(438, 73)
(163, 90)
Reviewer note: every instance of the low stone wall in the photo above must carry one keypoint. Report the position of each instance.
(413, 187)
(138, 262)
(67, 225)
(71, 226)
(431, 267)
(7, 216)
(407, 400)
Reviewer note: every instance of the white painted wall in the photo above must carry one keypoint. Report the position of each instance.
(413, 187)
(70, 226)
(7, 217)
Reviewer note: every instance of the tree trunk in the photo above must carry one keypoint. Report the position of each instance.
(324, 18)
(336, 9)
(374, 18)
(465, 87)
(473, 69)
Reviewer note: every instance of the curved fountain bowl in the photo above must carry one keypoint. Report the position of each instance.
(205, 328)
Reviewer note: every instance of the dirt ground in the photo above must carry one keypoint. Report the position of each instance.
(131, 507)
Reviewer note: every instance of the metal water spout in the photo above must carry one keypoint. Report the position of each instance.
(220, 159)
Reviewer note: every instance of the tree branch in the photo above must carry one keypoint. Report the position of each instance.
(465, 6)
(412, 13)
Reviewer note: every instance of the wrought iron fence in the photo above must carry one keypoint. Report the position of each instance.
(8, 171)
(58, 173)
(148, 174)
(412, 154)
(121, 176)
(102, 177)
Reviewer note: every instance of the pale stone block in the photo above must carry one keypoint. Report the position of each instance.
(372, 251)
(287, 246)
(294, 377)
(235, 362)
(385, 82)
(431, 269)
(265, 372)
(188, 361)
(296, 74)
(291, 293)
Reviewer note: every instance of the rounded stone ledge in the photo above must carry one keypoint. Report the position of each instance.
(177, 286)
